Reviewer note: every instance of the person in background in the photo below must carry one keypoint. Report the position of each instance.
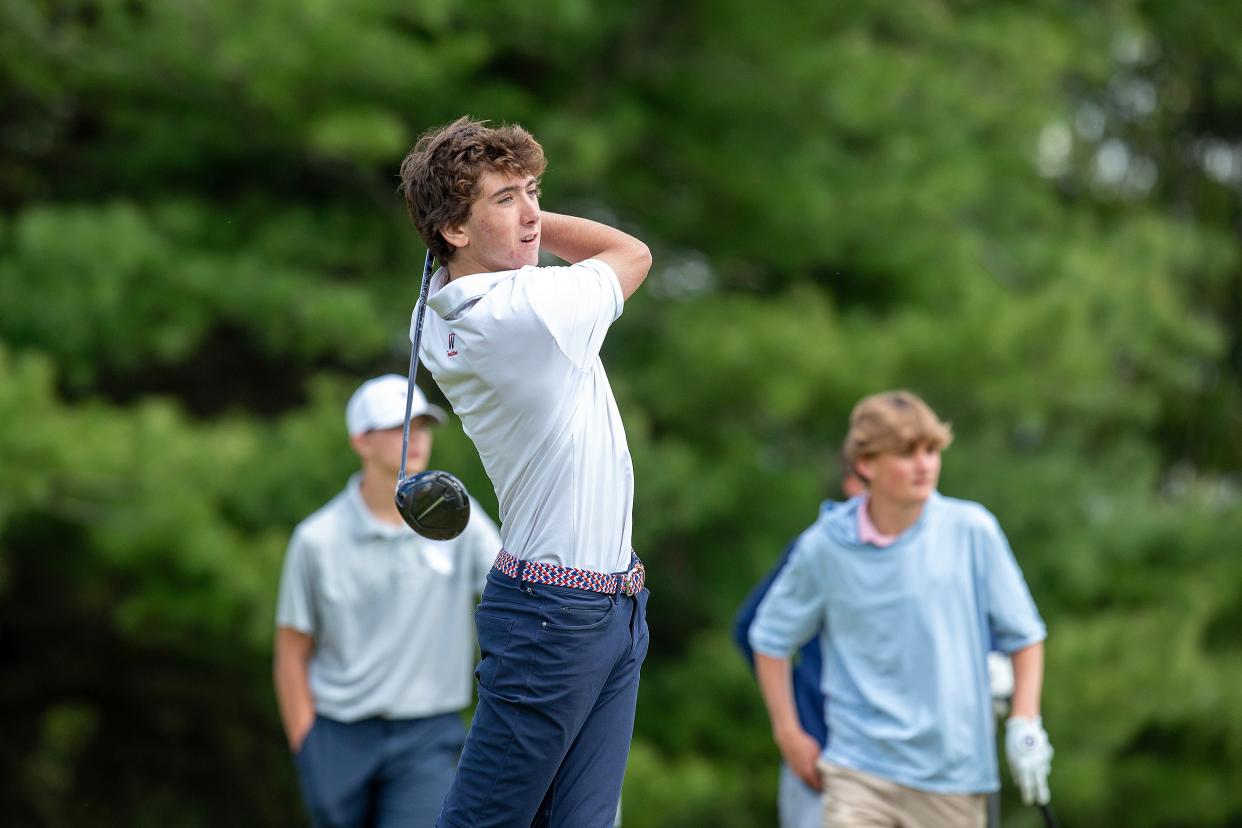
(374, 632)
(907, 588)
(798, 804)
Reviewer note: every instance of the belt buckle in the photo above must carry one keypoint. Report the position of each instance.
(632, 581)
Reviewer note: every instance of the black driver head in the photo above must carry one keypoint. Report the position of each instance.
(434, 504)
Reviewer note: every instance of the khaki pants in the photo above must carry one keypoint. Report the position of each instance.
(853, 799)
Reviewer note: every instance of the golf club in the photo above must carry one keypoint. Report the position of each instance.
(433, 503)
(1050, 819)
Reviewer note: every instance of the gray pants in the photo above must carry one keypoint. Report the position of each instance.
(799, 805)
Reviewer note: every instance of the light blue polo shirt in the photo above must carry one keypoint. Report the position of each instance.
(391, 612)
(907, 629)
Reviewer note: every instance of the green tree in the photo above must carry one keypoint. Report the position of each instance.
(1026, 212)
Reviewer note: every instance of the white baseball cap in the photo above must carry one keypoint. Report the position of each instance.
(380, 403)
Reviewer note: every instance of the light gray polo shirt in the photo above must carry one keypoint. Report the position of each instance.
(391, 612)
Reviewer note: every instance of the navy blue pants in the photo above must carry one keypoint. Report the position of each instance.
(378, 772)
(558, 682)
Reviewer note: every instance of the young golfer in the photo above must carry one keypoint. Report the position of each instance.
(515, 348)
(910, 590)
(374, 641)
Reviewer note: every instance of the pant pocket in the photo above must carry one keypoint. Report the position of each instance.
(308, 780)
(577, 613)
(306, 739)
(494, 632)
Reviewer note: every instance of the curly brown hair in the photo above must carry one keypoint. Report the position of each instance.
(440, 175)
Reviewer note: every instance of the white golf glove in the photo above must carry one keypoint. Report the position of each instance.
(1030, 758)
(1000, 680)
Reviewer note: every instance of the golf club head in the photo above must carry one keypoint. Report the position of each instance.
(434, 504)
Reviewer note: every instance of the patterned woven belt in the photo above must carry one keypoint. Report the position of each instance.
(628, 583)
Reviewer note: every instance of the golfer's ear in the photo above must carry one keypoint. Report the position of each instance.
(455, 235)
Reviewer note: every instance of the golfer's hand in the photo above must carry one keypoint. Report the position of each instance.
(801, 753)
(1030, 758)
(299, 738)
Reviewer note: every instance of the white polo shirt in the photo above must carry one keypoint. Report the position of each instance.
(392, 613)
(517, 354)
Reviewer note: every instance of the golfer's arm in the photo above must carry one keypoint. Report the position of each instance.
(776, 685)
(575, 239)
(1028, 680)
(291, 673)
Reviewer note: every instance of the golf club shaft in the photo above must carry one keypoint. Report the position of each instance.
(420, 309)
(1050, 819)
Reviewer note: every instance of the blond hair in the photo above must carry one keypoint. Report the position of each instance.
(893, 421)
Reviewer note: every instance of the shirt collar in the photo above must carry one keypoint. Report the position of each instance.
(448, 298)
(867, 533)
(363, 523)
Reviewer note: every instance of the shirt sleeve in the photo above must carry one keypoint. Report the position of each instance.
(483, 541)
(746, 613)
(1014, 620)
(295, 602)
(793, 610)
(577, 304)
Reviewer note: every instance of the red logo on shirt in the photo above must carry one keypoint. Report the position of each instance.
(451, 350)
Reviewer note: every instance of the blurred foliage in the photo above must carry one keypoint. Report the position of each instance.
(1026, 212)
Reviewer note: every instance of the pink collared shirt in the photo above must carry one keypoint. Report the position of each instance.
(867, 533)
